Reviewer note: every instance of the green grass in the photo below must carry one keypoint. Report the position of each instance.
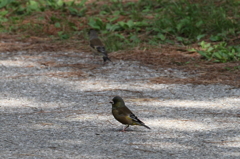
(130, 24)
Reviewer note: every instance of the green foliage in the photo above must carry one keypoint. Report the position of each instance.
(179, 21)
(191, 22)
(115, 42)
(27, 7)
(97, 23)
(219, 52)
(63, 35)
(233, 68)
(14, 12)
(128, 24)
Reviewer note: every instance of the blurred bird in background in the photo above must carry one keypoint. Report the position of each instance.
(97, 46)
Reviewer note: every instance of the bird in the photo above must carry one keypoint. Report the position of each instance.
(97, 45)
(122, 114)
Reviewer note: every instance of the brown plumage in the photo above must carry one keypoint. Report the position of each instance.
(97, 45)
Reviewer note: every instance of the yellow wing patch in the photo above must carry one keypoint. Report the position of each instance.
(131, 121)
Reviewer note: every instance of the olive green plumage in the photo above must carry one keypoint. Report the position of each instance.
(97, 46)
(122, 114)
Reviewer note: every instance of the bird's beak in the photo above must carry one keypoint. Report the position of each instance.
(111, 102)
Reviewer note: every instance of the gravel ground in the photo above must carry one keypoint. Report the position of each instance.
(56, 105)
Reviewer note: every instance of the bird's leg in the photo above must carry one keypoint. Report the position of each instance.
(103, 62)
(125, 128)
(94, 55)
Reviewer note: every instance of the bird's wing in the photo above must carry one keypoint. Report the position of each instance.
(101, 49)
(94, 43)
(126, 112)
(135, 119)
(125, 116)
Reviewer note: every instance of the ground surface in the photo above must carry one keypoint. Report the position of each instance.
(56, 105)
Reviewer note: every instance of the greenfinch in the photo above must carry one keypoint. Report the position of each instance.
(97, 46)
(122, 114)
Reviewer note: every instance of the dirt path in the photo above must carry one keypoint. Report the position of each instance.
(56, 105)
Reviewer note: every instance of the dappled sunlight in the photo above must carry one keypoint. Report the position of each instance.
(15, 103)
(233, 142)
(173, 146)
(214, 104)
(17, 63)
(82, 117)
(101, 84)
(67, 141)
(162, 145)
(217, 104)
(231, 154)
(45, 126)
(64, 104)
(26, 103)
(182, 125)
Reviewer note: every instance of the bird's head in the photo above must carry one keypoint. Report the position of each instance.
(117, 101)
(92, 31)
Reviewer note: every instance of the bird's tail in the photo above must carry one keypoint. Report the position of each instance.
(146, 126)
